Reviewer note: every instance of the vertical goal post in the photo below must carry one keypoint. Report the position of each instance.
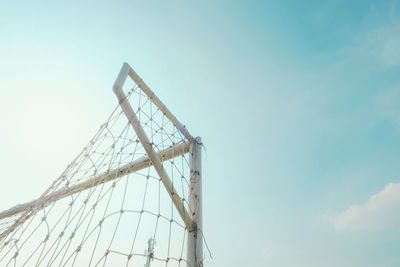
(193, 217)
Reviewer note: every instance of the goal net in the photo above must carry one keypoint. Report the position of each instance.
(130, 198)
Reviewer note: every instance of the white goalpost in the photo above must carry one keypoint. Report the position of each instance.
(132, 197)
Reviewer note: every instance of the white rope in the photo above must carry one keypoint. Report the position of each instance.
(109, 201)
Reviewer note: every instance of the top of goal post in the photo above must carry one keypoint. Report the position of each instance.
(126, 71)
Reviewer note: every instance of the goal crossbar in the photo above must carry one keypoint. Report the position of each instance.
(139, 164)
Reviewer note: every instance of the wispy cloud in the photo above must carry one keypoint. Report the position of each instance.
(388, 106)
(384, 43)
(380, 44)
(381, 211)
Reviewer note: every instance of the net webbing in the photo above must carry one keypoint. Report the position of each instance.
(109, 202)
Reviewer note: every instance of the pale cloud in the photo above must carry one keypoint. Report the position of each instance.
(377, 46)
(265, 251)
(382, 44)
(387, 104)
(391, 50)
(381, 211)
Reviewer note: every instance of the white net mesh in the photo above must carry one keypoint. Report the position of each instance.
(109, 202)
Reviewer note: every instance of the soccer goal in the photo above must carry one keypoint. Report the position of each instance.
(132, 197)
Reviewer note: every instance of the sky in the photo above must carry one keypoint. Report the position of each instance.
(296, 103)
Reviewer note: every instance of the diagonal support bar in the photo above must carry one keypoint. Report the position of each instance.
(155, 159)
(134, 166)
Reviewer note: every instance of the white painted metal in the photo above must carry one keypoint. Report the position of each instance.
(127, 70)
(192, 219)
(195, 238)
(154, 157)
(134, 166)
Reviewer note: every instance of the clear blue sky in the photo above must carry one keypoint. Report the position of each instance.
(296, 102)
